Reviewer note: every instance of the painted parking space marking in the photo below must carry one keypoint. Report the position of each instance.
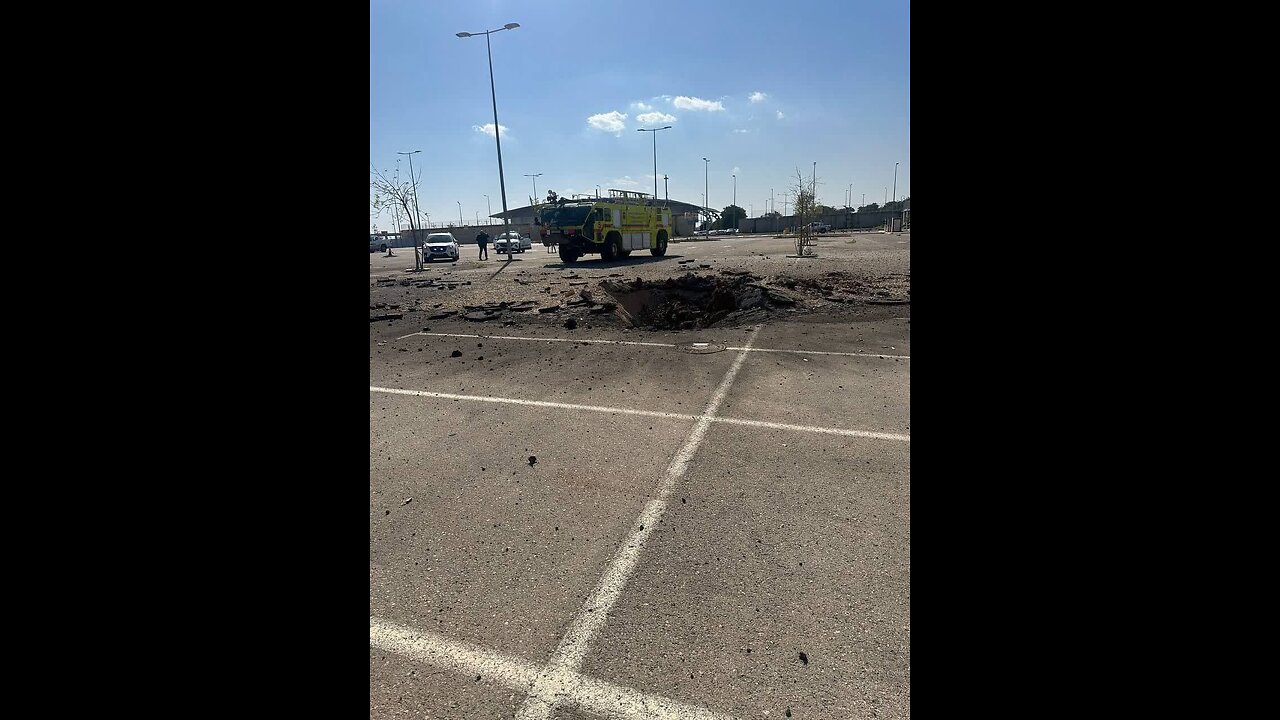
(598, 696)
(569, 655)
(646, 413)
(651, 344)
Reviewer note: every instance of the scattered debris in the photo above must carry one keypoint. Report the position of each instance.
(571, 323)
(532, 459)
(406, 502)
(456, 353)
(388, 316)
(553, 308)
(804, 658)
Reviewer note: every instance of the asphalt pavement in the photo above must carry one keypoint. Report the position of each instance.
(611, 521)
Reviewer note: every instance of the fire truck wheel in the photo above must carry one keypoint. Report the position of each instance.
(567, 254)
(609, 249)
(662, 246)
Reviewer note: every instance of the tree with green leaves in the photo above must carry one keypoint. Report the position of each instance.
(730, 216)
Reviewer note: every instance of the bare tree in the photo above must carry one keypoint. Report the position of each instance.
(805, 211)
(397, 195)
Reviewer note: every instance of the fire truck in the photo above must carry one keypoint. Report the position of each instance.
(612, 226)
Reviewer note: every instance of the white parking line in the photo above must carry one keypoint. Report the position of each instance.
(650, 344)
(535, 403)
(646, 413)
(569, 655)
(518, 674)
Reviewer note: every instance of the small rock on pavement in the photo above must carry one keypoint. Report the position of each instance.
(532, 459)
(571, 323)
(456, 353)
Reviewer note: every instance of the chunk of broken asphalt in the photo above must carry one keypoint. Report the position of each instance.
(804, 658)
(532, 459)
(571, 323)
(456, 353)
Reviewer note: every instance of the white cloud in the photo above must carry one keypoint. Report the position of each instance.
(487, 129)
(624, 181)
(641, 106)
(757, 96)
(780, 115)
(744, 130)
(613, 122)
(695, 103)
(655, 117)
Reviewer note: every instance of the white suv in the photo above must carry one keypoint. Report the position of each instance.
(518, 242)
(440, 245)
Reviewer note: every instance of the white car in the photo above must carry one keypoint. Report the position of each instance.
(518, 242)
(440, 245)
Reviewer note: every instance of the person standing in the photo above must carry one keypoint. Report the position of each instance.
(482, 240)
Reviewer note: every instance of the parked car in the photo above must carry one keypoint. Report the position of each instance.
(377, 243)
(819, 227)
(518, 242)
(440, 245)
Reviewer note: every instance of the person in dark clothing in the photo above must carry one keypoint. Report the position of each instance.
(482, 240)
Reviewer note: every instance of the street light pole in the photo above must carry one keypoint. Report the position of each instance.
(460, 222)
(666, 193)
(416, 212)
(489, 205)
(895, 182)
(502, 183)
(655, 156)
(706, 192)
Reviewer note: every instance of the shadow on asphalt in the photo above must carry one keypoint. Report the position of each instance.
(624, 262)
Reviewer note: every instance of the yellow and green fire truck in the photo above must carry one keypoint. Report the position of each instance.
(612, 226)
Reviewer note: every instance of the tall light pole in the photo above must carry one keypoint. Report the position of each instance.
(848, 197)
(535, 185)
(706, 192)
(460, 223)
(655, 156)
(895, 182)
(597, 191)
(502, 183)
(417, 214)
(488, 205)
(666, 193)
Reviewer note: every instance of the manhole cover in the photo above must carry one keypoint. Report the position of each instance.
(701, 348)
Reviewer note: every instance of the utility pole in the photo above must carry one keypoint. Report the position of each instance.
(665, 192)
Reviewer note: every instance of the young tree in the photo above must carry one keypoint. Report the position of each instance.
(805, 212)
(393, 193)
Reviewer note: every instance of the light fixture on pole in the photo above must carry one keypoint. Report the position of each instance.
(535, 185)
(655, 156)
(502, 183)
(706, 193)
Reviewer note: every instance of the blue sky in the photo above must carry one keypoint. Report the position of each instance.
(758, 88)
